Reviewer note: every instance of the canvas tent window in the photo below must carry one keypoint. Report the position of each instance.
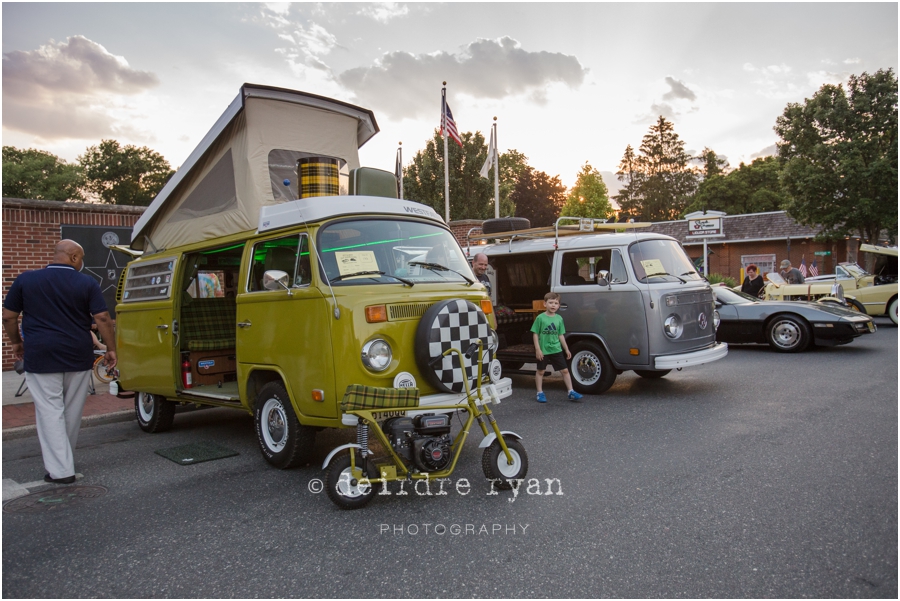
(283, 167)
(215, 193)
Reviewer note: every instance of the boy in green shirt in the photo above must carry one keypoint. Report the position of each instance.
(549, 342)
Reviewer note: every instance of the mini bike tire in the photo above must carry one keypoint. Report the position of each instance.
(341, 492)
(503, 474)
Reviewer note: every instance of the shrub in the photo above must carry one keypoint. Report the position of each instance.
(715, 278)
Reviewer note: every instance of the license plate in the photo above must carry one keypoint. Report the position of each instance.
(871, 326)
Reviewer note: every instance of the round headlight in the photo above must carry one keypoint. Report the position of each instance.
(673, 326)
(376, 355)
(494, 342)
(716, 319)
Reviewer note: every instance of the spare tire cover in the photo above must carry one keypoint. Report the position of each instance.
(505, 224)
(454, 323)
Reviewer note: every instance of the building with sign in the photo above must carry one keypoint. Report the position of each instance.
(765, 239)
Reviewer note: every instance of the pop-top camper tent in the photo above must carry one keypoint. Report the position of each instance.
(266, 136)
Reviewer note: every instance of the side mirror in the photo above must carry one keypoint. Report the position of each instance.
(603, 278)
(275, 279)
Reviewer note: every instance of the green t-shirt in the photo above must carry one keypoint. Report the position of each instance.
(549, 329)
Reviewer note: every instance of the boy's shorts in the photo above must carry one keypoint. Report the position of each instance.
(557, 360)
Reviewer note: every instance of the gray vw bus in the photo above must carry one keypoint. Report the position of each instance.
(630, 301)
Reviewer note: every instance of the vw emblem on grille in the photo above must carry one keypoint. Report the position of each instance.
(702, 321)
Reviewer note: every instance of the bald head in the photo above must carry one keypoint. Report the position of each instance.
(480, 264)
(69, 252)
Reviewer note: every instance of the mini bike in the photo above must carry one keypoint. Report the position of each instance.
(419, 447)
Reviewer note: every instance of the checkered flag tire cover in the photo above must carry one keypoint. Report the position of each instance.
(452, 324)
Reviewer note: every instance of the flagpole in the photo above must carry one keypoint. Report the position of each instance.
(446, 158)
(496, 160)
(400, 167)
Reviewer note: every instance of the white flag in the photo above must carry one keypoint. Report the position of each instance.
(490, 157)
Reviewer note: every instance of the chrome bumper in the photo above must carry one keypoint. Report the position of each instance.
(709, 355)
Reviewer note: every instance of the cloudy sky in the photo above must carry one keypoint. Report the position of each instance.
(568, 83)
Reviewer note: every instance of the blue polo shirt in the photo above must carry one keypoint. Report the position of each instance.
(56, 304)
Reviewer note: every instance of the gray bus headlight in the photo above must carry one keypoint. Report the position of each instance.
(673, 326)
(716, 319)
(376, 355)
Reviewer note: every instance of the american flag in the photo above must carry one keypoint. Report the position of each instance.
(803, 267)
(448, 125)
(813, 270)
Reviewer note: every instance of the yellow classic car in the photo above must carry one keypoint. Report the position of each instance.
(868, 293)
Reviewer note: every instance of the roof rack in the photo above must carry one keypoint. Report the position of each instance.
(584, 226)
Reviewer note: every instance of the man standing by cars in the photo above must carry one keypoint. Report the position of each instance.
(57, 304)
(479, 266)
(790, 274)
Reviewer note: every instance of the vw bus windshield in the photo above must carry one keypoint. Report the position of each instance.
(659, 261)
(388, 251)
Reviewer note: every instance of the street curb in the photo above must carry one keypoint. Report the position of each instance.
(86, 422)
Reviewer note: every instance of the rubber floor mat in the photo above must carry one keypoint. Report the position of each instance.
(196, 452)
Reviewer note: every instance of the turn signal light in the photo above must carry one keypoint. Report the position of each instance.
(318, 395)
(635, 351)
(376, 313)
(487, 307)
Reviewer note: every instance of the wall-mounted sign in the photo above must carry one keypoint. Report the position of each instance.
(822, 253)
(705, 227)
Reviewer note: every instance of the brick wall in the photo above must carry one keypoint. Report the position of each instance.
(725, 257)
(31, 229)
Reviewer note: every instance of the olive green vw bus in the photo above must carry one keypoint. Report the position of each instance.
(254, 291)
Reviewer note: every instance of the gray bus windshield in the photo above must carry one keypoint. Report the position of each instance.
(659, 261)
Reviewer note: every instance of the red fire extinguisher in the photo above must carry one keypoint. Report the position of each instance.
(186, 373)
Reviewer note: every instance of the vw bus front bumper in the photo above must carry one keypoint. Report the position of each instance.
(714, 353)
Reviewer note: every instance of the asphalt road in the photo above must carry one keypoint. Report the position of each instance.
(761, 475)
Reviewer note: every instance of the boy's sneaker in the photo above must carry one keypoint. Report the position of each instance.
(574, 396)
(541, 397)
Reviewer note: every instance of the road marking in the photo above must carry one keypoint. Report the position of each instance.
(14, 490)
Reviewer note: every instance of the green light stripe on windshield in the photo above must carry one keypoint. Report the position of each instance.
(328, 250)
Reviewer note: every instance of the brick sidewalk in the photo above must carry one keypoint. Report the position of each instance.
(15, 416)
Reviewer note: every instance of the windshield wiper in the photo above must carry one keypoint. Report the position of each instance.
(439, 267)
(653, 275)
(379, 273)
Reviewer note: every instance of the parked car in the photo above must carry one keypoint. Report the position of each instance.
(865, 292)
(787, 326)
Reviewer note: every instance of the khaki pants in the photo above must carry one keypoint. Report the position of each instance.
(58, 402)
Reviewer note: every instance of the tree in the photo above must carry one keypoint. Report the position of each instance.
(753, 188)
(470, 194)
(124, 175)
(538, 197)
(712, 164)
(659, 182)
(32, 173)
(839, 157)
(512, 164)
(589, 196)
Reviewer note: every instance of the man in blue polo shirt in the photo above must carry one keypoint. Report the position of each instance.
(57, 303)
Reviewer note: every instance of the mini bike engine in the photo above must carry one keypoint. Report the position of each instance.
(423, 440)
